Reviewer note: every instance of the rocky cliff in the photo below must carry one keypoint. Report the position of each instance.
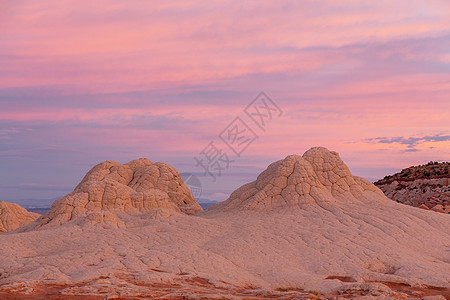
(425, 186)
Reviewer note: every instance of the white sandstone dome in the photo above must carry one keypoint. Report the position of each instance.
(13, 216)
(316, 177)
(111, 188)
(306, 224)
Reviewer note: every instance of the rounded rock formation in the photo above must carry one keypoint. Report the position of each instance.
(133, 188)
(13, 216)
(318, 176)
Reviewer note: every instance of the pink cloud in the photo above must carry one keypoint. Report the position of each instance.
(342, 72)
(114, 46)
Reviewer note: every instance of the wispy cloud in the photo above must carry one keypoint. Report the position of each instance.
(410, 142)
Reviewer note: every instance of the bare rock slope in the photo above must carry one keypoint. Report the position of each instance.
(305, 224)
(426, 186)
(110, 189)
(13, 216)
(319, 176)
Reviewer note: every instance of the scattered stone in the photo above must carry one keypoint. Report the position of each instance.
(423, 206)
(438, 208)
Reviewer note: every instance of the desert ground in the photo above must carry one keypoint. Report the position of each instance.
(305, 228)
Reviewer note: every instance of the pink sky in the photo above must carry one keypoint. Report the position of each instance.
(83, 81)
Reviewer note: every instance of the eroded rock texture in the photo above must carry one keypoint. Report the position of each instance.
(426, 186)
(316, 177)
(306, 224)
(13, 216)
(110, 188)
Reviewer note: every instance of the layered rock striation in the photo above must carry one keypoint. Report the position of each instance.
(426, 186)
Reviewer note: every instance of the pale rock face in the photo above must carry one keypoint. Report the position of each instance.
(13, 216)
(316, 177)
(305, 224)
(111, 188)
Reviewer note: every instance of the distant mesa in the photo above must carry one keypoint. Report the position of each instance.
(13, 216)
(111, 188)
(319, 176)
(425, 186)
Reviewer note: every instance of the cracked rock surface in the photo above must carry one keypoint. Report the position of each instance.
(305, 224)
(110, 189)
(13, 216)
(317, 177)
